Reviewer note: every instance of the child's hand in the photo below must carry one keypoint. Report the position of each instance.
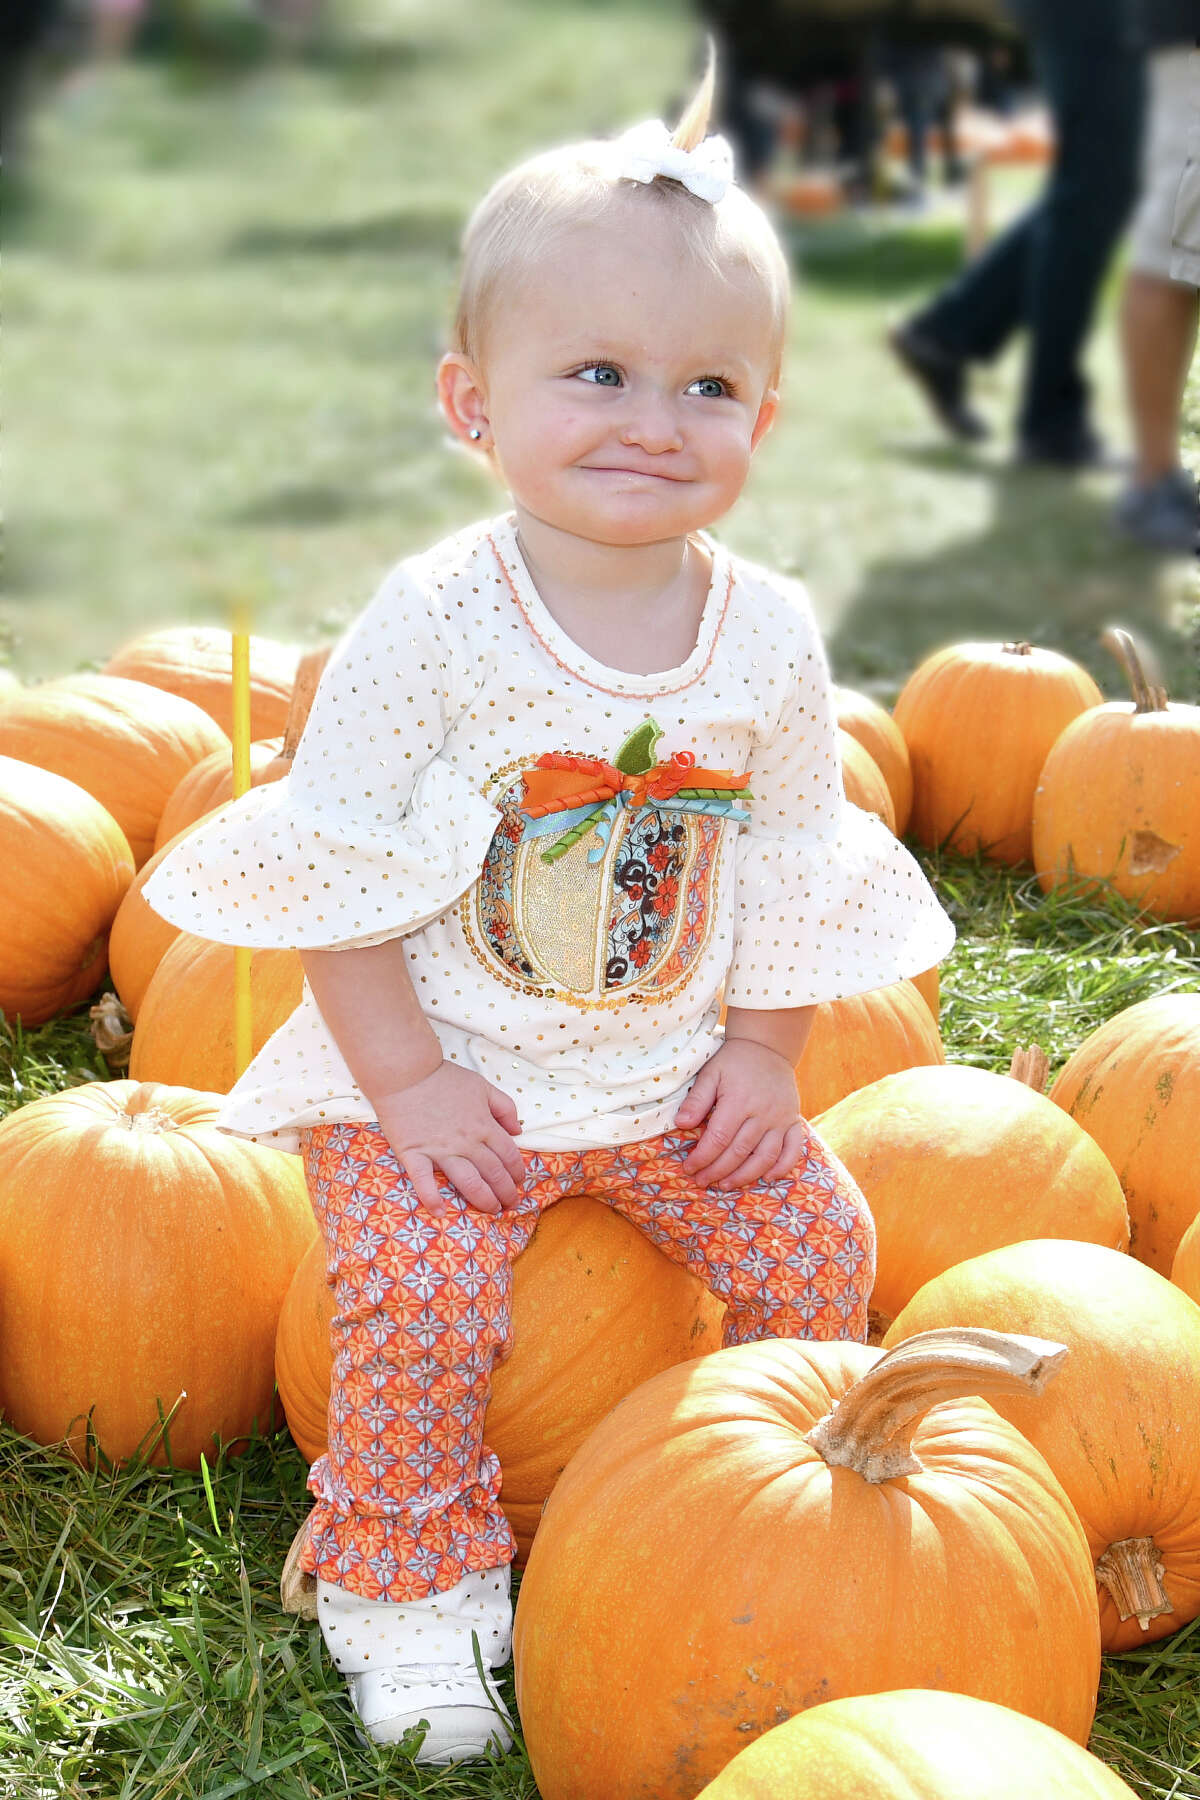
(747, 1093)
(459, 1121)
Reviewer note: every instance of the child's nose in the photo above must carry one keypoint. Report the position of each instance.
(652, 423)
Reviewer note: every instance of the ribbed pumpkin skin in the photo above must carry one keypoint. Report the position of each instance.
(143, 1254)
(862, 781)
(196, 662)
(955, 1161)
(883, 740)
(66, 866)
(209, 785)
(1185, 1270)
(860, 1039)
(128, 744)
(1126, 1400)
(596, 1310)
(915, 1742)
(140, 937)
(185, 1023)
(979, 721)
(701, 1573)
(1134, 1086)
(1116, 802)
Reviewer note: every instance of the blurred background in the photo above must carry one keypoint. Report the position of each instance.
(232, 232)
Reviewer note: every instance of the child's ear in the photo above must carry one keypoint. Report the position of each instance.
(463, 400)
(766, 417)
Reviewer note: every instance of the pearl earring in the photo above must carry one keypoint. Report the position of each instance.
(474, 434)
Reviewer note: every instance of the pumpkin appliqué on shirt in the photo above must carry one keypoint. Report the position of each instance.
(598, 884)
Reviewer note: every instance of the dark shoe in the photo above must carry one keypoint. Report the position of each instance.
(942, 378)
(1080, 449)
(1163, 514)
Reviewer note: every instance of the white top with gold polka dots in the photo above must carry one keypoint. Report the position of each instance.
(569, 943)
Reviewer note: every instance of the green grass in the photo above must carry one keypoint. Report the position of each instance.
(225, 295)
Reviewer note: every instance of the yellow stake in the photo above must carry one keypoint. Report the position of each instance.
(242, 1033)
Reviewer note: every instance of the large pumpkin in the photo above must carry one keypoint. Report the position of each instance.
(883, 740)
(209, 784)
(196, 662)
(863, 782)
(915, 1744)
(1134, 1086)
(979, 720)
(863, 1037)
(185, 1024)
(955, 1161)
(1117, 800)
(66, 866)
(128, 744)
(1117, 1426)
(596, 1310)
(144, 1257)
(726, 1550)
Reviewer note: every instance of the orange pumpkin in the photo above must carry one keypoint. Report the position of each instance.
(66, 866)
(979, 720)
(1185, 1270)
(1134, 1086)
(883, 740)
(596, 1310)
(726, 1550)
(128, 744)
(144, 1257)
(1113, 1426)
(140, 937)
(955, 1161)
(856, 1040)
(915, 1742)
(210, 784)
(862, 781)
(1117, 800)
(196, 662)
(184, 1033)
(928, 984)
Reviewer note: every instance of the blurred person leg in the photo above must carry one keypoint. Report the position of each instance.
(1159, 308)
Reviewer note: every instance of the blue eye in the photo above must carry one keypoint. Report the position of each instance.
(601, 374)
(709, 387)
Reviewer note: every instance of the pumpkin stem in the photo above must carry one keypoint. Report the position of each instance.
(1030, 1067)
(1018, 647)
(308, 674)
(1148, 696)
(112, 1030)
(1132, 1572)
(298, 1591)
(870, 1429)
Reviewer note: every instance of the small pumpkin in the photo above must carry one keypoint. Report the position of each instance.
(597, 1309)
(863, 782)
(128, 744)
(859, 1039)
(883, 740)
(196, 662)
(914, 1742)
(785, 1523)
(140, 937)
(67, 865)
(144, 1256)
(1115, 1425)
(1116, 800)
(955, 1161)
(979, 721)
(1134, 1086)
(184, 1034)
(209, 784)
(929, 985)
(1185, 1270)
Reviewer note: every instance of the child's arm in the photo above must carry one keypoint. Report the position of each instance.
(429, 1110)
(747, 1095)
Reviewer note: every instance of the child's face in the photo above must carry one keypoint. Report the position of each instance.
(624, 386)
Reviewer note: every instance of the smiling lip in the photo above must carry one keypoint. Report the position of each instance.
(625, 469)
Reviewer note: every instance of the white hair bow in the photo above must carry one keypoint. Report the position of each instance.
(646, 150)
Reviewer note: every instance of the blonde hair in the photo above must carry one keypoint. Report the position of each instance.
(580, 184)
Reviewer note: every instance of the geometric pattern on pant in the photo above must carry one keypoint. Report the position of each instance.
(407, 1497)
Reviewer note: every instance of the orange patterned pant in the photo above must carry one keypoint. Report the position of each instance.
(407, 1497)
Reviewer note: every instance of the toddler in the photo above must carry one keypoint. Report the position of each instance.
(570, 777)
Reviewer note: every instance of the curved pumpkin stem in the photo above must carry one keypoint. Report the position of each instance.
(1132, 1571)
(1018, 647)
(1148, 696)
(870, 1429)
(298, 1591)
(1030, 1067)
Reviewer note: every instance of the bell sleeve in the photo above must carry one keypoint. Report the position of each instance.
(827, 901)
(371, 834)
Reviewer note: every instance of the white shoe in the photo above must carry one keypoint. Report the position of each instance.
(465, 1715)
